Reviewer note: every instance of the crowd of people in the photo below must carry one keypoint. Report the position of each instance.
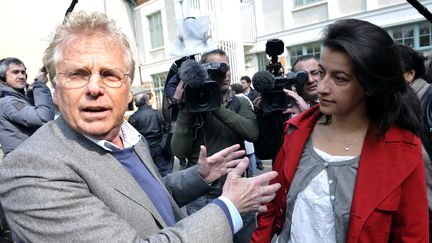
(351, 160)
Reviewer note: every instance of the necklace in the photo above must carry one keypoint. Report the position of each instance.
(347, 145)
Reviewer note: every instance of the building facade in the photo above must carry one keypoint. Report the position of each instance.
(242, 28)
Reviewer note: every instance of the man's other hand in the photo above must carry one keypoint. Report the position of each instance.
(249, 194)
(220, 163)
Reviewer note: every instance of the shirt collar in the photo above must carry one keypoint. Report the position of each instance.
(128, 134)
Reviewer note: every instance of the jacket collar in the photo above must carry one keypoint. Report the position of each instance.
(6, 90)
(108, 168)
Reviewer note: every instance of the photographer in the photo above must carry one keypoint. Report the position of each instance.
(232, 123)
(306, 93)
(277, 102)
(23, 108)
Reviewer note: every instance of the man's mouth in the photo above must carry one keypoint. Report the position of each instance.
(95, 109)
(311, 88)
(95, 113)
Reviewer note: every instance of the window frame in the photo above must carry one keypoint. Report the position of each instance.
(158, 83)
(304, 50)
(416, 35)
(303, 3)
(155, 28)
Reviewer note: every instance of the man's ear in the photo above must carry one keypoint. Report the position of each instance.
(130, 97)
(56, 95)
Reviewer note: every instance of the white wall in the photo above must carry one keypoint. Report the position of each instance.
(27, 25)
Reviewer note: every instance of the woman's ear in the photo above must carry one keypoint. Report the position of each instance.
(409, 76)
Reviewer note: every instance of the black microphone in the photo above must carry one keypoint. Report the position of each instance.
(192, 73)
(263, 81)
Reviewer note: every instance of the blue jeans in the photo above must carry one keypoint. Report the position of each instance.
(252, 163)
(249, 219)
(164, 164)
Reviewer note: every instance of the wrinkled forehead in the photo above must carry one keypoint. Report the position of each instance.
(98, 42)
(91, 47)
(15, 66)
(309, 64)
(218, 58)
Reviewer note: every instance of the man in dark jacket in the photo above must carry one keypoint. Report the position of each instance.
(23, 108)
(150, 123)
(247, 89)
(22, 111)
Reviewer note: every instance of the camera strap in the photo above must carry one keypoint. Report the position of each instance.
(198, 124)
(199, 121)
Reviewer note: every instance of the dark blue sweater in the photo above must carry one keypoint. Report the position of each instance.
(148, 183)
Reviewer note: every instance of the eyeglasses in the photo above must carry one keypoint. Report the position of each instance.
(80, 77)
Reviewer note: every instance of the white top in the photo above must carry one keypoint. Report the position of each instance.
(316, 220)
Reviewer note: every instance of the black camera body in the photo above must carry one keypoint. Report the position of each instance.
(205, 96)
(276, 99)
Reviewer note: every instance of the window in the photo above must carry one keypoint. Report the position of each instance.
(295, 52)
(313, 49)
(155, 29)
(310, 49)
(416, 35)
(425, 38)
(262, 61)
(158, 86)
(404, 35)
(300, 3)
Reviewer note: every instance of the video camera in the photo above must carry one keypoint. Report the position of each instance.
(202, 92)
(273, 96)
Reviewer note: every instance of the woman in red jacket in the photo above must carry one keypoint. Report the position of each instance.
(351, 168)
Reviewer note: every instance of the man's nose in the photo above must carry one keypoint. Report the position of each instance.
(95, 84)
(22, 74)
(311, 78)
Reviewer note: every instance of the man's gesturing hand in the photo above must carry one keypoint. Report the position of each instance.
(218, 164)
(248, 194)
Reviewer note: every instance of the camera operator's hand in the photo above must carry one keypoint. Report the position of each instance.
(179, 91)
(249, 194)
(298, 105)
(219, 164)
(41, 76)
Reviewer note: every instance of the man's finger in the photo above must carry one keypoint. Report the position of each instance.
(235, 155)
(267, 198)
(241, 167)
(225, 152)
(269, 189)
(262, 209)
(203, 153)
(233, 163)
(265, 178)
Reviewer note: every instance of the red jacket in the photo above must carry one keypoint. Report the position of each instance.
(389, 202)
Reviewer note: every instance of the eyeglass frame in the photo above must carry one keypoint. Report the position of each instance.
(68, 78)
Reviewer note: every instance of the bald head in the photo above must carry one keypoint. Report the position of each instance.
(141, 99)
